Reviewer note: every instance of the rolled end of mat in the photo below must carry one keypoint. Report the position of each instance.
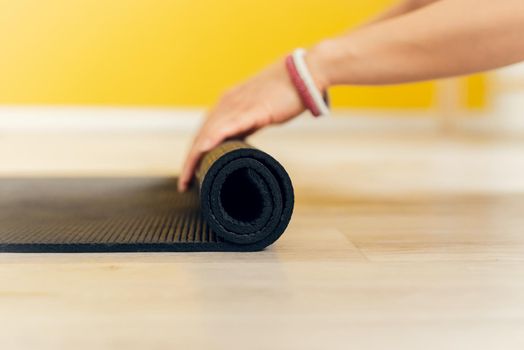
(246, 195)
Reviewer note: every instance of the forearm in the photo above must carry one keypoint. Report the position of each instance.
(447, 38)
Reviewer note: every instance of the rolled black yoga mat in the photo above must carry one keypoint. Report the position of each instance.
(243, 201)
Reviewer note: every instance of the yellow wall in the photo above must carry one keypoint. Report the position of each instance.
(170, 52)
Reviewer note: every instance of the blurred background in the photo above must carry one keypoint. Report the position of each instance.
(178, 52)
(156, 65)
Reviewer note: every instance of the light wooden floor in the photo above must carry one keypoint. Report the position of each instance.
(399, 241)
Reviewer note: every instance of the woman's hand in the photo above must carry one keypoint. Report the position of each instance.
(268, 98)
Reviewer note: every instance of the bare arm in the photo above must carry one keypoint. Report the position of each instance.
(436, 39)
(447, 38)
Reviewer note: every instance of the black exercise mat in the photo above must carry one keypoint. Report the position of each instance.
(243, 201)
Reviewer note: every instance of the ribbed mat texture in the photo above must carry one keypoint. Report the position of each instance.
(242, 201)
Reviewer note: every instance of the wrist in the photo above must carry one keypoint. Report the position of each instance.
(310, 88)
(319, 60)
(338, 61)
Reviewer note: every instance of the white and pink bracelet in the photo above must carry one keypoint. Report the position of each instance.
(314, 100)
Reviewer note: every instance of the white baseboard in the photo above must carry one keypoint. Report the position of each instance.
(124, 119)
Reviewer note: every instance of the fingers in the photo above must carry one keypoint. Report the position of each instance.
(198, 149)
(211, 135)
(188, 170)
